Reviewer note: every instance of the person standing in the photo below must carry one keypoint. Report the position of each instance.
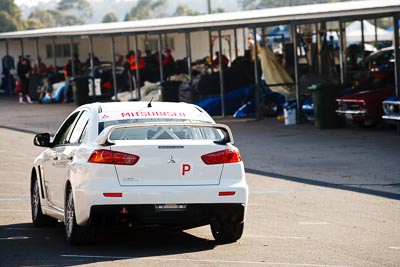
(168, 63)
(69, 74)
(24, 70)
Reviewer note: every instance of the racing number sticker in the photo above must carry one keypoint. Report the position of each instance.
(185, 168)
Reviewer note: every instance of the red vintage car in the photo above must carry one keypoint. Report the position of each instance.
(363, 105)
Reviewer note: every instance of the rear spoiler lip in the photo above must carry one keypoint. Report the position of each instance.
(104, 137)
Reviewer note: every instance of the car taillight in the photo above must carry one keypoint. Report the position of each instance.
(228, 155)
(362, 105)
(107, 85)
(113, 157)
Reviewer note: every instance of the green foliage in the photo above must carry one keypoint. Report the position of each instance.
(10, 16)
(218, 10)
(82, 6)
(8, 23)
(33, 24)
(45, 17)
(147, 9)
(184, 10)
(11, 8)
(251, 4)
(63, 19)
(110, 17)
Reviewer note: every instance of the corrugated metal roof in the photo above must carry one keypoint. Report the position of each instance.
(282, 15)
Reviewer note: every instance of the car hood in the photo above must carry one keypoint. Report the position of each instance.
(367, 94)
(393, 99)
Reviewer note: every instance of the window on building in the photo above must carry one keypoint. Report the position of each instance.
(61, 50)
(152, 43)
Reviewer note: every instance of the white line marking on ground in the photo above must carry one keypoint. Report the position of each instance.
(204, 261)
(27, 229)
(314, 223)
(275, 237)
(14, 238)
(255, 236)
(394, 247)
(13, 195)
(15, 183)
(14, 198)
(15, 210)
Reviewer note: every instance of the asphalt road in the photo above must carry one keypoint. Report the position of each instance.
(317, 198)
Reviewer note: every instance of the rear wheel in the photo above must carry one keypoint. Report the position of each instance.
(270, 108)
(75, 233)
(226, 232)
(38, 218)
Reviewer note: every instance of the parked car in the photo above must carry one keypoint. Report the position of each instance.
(308, 108)
(102, 79)
(373, 72)
(364, 104)
(391, 109)
(104, 75)
(139, 163)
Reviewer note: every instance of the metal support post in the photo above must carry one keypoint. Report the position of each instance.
(160, 57)
(137, 80)
(362, 38)
(236, 43)
(342, 34)
(71, 49)
(53, 50)
(189, 63)
(257, 90)
(22, 48)
(92, 68)
(113, 68)
(296, 69)
(211, 48)
(221, 75)
(396, 52)
(37, 53)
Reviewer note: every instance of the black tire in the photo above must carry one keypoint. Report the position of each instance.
(38, 218)
(369, 124)
(225, 233)
(270, 108)
(75, 233)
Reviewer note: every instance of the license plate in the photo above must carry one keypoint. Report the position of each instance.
(349, 116)
(170, 207)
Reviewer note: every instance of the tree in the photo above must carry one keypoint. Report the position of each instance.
(10, 16)
(146, 9)
(218, 10)
(247, 4)
(110, 17)
(45, 17)
(65, 20)
(8, 23)
(251, 4)
(33, 24)
(184, 10)
(82, 6)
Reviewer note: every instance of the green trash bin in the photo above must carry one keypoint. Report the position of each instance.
(81, 90)
(324, 98)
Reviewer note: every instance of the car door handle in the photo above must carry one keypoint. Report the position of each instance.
(55, 158)
(70, 158)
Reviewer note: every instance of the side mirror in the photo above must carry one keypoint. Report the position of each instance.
(42, 140)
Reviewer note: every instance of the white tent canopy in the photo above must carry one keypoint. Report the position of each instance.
(353, 32)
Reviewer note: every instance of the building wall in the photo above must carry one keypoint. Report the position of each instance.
(102, 48)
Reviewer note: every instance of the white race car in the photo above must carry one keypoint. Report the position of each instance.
(139, 163)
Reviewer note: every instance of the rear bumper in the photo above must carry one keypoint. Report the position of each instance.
(391, 117)
(192, 215)
(353, 115)
(137, 197)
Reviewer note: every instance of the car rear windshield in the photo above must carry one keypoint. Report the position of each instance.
(163, 132)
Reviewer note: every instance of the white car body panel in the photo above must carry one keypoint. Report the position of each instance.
(161, 176)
